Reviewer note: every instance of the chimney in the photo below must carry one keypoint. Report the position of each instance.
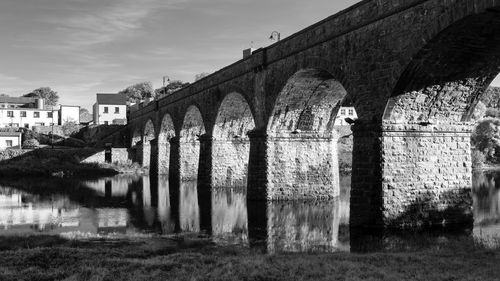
(39, 103)
(247, 52)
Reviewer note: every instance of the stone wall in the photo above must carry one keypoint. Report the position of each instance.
(426, 175)
(230, 163)
(302, 167)
(118, 155)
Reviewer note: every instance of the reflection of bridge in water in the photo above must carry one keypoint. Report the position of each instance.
(151, 205)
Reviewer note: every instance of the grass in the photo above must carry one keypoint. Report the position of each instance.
(185, 259)
(61, 163)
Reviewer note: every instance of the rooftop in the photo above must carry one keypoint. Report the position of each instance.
(114, 99)
(16, 100)
(10, 134)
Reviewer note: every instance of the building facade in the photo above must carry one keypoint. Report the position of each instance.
(110, 109)
(26, 112)
(10, 140)
(345, 112)
(69, 113)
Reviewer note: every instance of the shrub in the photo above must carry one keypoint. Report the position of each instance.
(31, 143)
(70, 128)
(478, 159)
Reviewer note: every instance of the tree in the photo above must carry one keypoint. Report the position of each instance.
(49, 96)
(200, 76)
(171, 87)
(138, 92)
(85, 115)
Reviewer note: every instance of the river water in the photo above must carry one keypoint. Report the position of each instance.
(125, 206)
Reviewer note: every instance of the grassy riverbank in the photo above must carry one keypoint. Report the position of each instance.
(60, 163)
(181, 259)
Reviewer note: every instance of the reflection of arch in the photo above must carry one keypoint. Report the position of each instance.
(308, 103)
(302, 149)
(231, 147)
(444, 80)
(167, 132)
(192, 128)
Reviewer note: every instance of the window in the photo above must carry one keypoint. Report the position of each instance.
(117, 110)
(8, 143)
(12, 106)
(36, 114)
(351, 112)
(23, 113)
(105, 109)
(106, 123)
(26, 125)
(342, 112)
(10, 113)
(49, 115)
(15, 125)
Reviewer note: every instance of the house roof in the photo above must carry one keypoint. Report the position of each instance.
(16, 100)
(10, 134)
(114, 99)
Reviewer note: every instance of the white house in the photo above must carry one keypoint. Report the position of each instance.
(26, 112)
(10, 140)
(345, 112)
(110, 109)
(69, 113)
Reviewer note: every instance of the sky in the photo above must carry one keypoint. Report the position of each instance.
(83, 47)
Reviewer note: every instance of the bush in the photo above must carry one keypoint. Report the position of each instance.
(478, 159)
(31, 143)
(70, 128)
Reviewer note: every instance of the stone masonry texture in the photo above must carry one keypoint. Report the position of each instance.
(406, 66)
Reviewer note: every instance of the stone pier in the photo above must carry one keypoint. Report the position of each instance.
(294, 166)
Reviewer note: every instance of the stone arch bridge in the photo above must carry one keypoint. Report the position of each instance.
(413, 70)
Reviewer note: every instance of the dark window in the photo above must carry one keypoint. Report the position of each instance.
(10, 113)
(105, 109)
(106, 123)
(26, 125)
(351, 112)
(36, 114)
(49, 114)
(8, 143)
(117, 110)
(342, 111)
(23, 113)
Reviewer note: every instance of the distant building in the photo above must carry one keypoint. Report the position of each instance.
(345, 112)
(69, 113)
(26, 112)
(10, 140)
(110, 109)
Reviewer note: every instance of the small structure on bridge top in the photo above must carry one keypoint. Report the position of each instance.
(110, 109)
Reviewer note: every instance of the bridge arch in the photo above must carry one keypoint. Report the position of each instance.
(147, 136)
(192, 131)
(302, 154)
(231, 144)
(165, 135)
(427, 122)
